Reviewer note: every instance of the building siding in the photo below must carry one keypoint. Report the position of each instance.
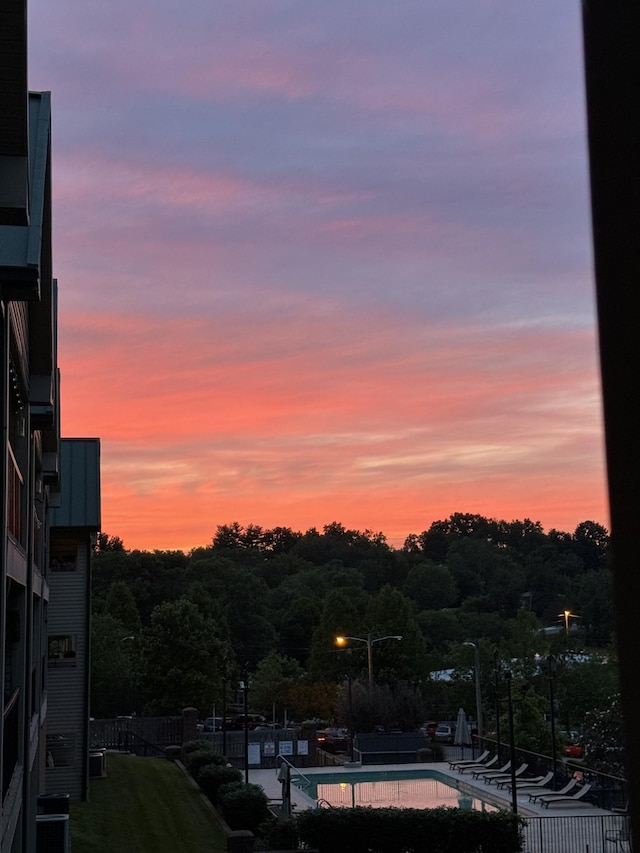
(66, 683)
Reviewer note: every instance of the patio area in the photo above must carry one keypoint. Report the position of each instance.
(568, 828)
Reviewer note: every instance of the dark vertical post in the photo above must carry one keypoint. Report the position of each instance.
(612, 70)
(496, 671)
(224, 710)
(512, 744)
(370, 663)
(245, 711)
(351, 733)
(551, 673)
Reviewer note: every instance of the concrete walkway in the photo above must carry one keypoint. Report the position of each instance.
(575, 828)
(268, 779)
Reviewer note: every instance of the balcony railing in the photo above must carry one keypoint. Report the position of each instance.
(11, 738)
(14, 499)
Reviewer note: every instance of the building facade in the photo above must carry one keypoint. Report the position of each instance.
(30, 446)
(74, 527)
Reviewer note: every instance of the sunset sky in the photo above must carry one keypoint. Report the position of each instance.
(324, 260)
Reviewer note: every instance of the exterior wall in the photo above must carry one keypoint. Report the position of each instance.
(67, 717)
(29, 429)
(75, 523)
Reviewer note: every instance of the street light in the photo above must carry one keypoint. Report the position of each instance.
(551, 674)
(567, 615)
(496, 687)
(476, 650)
(369, 640)
(508, 676)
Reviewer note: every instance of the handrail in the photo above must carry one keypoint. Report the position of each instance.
(293, 767)
(9, 705)
(322, 802)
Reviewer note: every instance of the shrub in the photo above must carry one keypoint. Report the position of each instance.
(194, 746)
(200, 758)
(212, 777)
(444, 830)
(243, 806)
(281, 834)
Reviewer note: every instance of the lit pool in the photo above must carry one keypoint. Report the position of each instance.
(382, 788)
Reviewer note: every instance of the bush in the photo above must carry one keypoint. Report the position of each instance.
(212, 777)
(243, 806)
(444, 830)
(194, 746)
(281, 834)
(201, 757)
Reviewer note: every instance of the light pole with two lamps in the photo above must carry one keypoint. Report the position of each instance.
(476, 651)
(369, 640)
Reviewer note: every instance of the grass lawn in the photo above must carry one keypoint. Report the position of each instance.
(144, 804)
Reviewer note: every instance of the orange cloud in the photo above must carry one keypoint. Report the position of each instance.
(208, 420)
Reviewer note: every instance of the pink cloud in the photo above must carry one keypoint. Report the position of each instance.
(225, 420)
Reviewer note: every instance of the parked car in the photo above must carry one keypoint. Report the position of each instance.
(429, 728)
(573, 750)
(445, 734)
(333, 740)
(242, 722)
(212, 724)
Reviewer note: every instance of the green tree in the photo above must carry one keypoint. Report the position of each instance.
(604, 738)
(328, 662)
(181, 659)
(109, 543)
(273, 682)
(591, 543)
(113, 668)
(392, 613)
(430, 586)
(243, 596)
(121, 604)
(582, 687)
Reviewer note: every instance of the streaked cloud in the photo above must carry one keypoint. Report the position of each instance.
(324, 261)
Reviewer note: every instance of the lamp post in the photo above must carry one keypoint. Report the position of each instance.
(244, 685)
(567, 615)
(224, 710)
(496, 684)
(476, 651)
(551, 674)
(369, 640)
(508, 676)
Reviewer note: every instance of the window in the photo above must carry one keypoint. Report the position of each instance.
(63, 554)
(62, 650)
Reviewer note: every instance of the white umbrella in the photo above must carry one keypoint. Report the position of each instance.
(463, 735)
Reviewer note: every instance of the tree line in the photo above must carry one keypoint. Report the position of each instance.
(172, 629)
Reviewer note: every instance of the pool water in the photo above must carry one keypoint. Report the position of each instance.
(397, 788)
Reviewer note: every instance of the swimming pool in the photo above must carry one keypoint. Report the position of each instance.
(426, 789)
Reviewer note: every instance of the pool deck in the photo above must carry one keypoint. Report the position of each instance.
(268, 780)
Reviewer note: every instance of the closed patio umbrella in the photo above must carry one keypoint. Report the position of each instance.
(463, 735)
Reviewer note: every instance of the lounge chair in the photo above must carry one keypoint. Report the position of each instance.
(466, 767)
(489, 778)
(564, 799)
(480, 771)
(481, 759)
(525, 782)
(571, 784)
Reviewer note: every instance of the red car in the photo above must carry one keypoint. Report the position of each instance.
(573, 750)
(333, 740)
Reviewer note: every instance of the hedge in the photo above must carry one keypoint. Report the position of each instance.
(442, 830)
